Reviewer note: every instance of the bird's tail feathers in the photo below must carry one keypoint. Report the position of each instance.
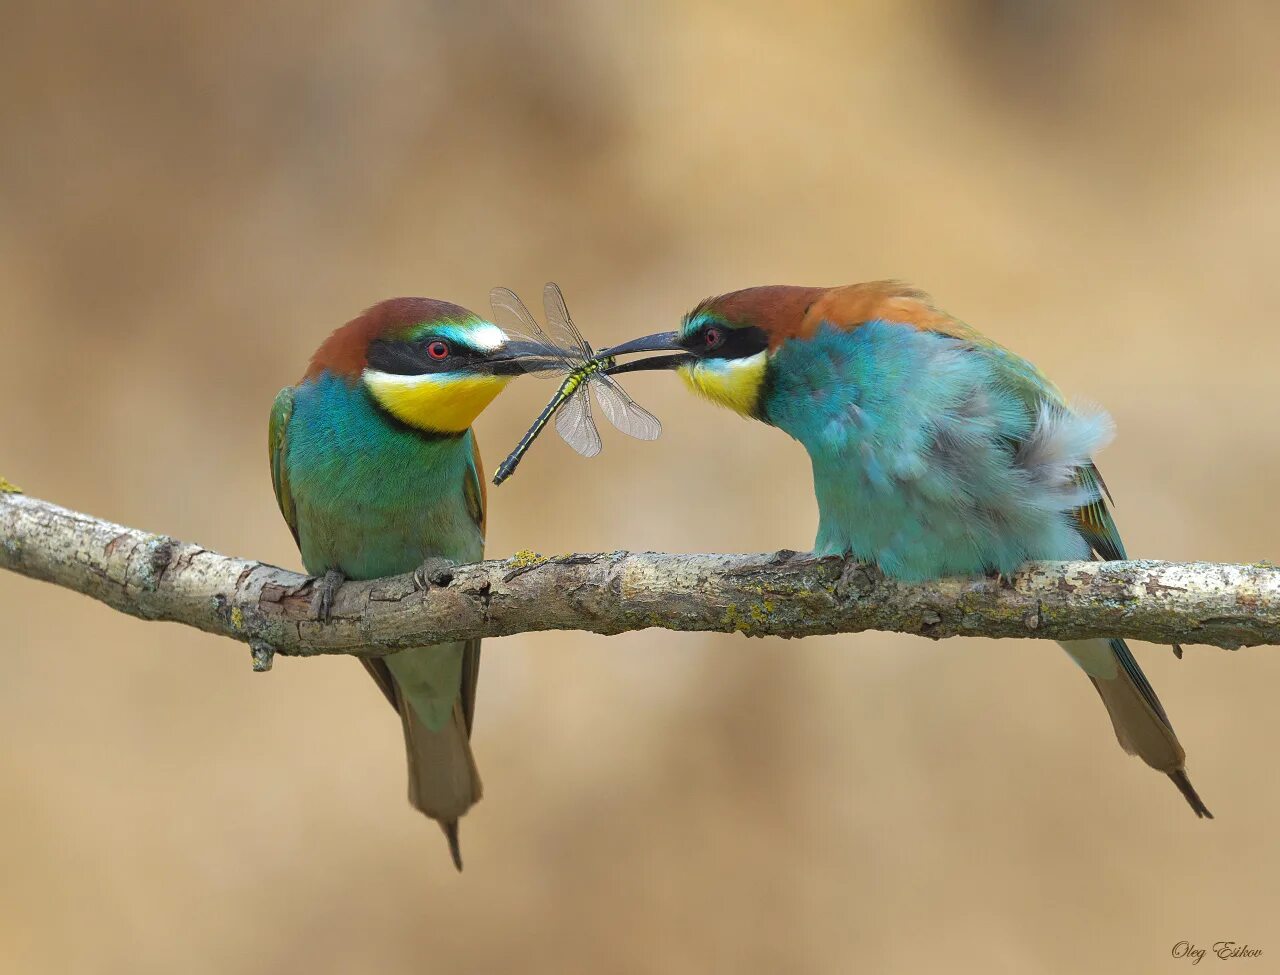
(443, 779)
(1138, 717)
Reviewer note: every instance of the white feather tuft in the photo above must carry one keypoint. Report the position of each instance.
(1062, 442)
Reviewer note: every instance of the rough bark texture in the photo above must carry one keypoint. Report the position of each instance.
(781, 594)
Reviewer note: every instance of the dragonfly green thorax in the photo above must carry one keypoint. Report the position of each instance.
(568, 354)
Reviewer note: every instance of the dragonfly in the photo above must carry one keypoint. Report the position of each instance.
(569, 355)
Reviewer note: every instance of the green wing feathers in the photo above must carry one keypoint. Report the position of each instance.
(277, 445)
(473, 489)
(1095, 521)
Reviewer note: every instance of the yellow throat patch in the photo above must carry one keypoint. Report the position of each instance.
(734, 383)
(442, 402)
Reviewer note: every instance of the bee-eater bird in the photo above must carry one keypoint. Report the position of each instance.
(377, 472)
(935, 451)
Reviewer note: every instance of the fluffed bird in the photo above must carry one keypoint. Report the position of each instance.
(935, 451)
(377, 471)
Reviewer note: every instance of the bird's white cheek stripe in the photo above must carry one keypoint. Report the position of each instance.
(734, 383)
(447, 402)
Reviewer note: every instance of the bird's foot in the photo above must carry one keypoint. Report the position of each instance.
(326, 587)
(434, 571)
(1001, 580)
(857, 579)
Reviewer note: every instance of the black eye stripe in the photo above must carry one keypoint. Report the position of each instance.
(413, 358)
(734, 343)
(399, 358)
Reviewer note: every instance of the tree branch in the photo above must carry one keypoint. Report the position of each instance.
(783, 594)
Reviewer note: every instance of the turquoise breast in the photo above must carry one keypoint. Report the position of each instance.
(375, 497)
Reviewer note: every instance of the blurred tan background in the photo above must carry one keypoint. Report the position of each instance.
(192, 196)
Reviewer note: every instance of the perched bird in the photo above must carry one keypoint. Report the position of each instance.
(935, 451)
(377, 472)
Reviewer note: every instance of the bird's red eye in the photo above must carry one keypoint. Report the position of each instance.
(438, 350)
(713, 337)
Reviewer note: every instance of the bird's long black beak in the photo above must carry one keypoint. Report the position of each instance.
(518, 357)
(658, 342)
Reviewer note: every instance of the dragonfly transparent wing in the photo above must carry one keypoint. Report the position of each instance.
(510, 313)
(575, 426)
(559, 324)
(624, 412)
(514, 318)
